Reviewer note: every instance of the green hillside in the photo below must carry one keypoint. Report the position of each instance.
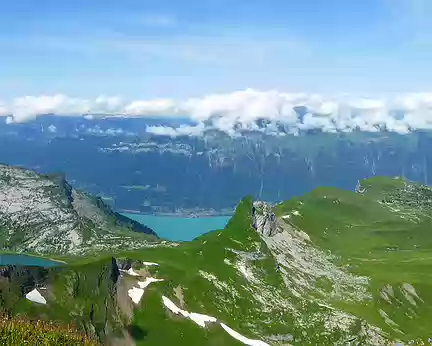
(329, 268)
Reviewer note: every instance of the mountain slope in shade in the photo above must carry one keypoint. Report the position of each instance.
(44, 214)
(133, 169)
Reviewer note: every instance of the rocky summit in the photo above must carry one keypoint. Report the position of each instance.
(44, 214)
(332, 267)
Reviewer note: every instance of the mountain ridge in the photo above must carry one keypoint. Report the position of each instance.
(270, 168)
(44, 214)
(330, 267)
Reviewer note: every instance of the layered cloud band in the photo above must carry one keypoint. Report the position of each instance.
(272, 112)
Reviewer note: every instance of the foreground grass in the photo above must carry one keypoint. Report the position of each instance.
(15, 331)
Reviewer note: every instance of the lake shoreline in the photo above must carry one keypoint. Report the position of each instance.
(180, 228)
(192, 215)
(24, 259)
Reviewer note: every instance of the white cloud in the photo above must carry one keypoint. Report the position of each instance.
(182, 130)
(266, 111)
(158, 107)
(28, 107)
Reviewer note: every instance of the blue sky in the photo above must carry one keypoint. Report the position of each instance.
(177, 49)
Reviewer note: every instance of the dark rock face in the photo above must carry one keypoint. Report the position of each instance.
(123, 221)
(264, 219)
(126, 263)
(17, 281)
(85, 294)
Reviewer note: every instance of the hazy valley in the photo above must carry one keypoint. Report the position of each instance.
(132, 169)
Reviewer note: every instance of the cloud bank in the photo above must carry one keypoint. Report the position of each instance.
(272, 112)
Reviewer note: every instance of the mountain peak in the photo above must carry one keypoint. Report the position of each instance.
(44, 214)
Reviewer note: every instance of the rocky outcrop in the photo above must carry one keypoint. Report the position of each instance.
(86, 293)
(44, 214)
(264, 219)
(17, 281)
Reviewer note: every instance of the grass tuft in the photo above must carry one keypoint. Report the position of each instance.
(16, 332)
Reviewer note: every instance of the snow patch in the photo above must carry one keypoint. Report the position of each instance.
(35, 297)
(171, 306)
(136, 294)
(199, 319)
(150, 264)
(132, 272)
(242, 338)
(148, 281)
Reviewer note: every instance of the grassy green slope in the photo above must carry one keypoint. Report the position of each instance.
(359, 269)
(188, 266)
(384, 233)
(231, 275)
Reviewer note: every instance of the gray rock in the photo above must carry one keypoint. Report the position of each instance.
(264, 219)
(44, 214)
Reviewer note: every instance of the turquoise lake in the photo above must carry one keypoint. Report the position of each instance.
(180, 228)
(15, 259)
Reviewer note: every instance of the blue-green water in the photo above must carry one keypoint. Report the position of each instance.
(23, 260)
(180, 228)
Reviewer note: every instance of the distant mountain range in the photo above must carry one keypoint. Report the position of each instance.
(132, 169)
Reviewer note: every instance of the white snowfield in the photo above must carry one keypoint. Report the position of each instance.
(202, 319)
(35, 297)
(197, 318)
(150, 264)
(136, 293)
(242, 338)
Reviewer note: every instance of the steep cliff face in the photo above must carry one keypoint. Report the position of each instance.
(264, 219)
(84, 295)
(270, 168)
(44, 214)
